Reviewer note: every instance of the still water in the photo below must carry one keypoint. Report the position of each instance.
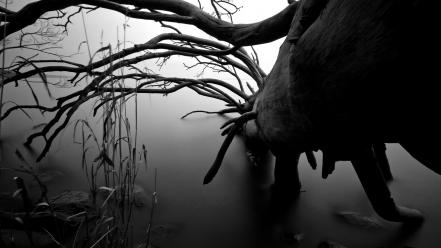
(236, 209)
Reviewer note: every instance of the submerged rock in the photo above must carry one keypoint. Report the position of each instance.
(140, 196)
(356, 219)
(71, 197)
(72, 202)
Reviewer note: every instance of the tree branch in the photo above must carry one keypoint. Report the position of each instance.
(265, 31)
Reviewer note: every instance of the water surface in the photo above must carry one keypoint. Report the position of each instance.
(236, 209)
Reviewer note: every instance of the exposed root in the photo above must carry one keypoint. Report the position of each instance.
(220, 112)
(311, 159)
(241, 119)
(226, 130)
(232, 130)
(220, 155)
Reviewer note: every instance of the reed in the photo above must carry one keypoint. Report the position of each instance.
(112, 174)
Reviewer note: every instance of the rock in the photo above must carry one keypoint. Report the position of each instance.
(359, 220)
(72, 202)
(70, 197)
(140, 196)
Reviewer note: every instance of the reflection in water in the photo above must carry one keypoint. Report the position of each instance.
(236, 209)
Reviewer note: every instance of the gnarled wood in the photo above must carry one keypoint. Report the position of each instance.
(361, 74)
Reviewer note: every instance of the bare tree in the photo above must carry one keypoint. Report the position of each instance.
(39, 26)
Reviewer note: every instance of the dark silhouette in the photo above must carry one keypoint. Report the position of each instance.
(359, 77)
